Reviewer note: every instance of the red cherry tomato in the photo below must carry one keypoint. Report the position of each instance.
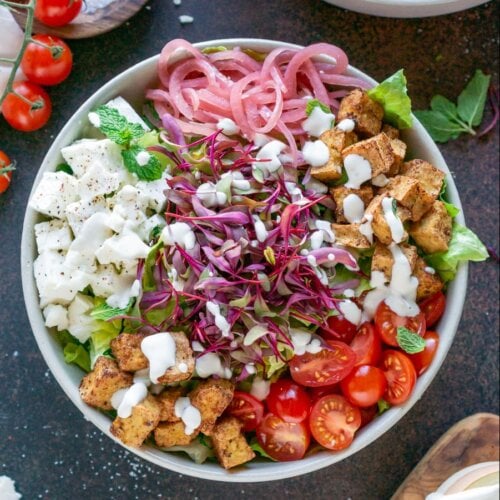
(47, 60)
(288, 400)
(366, 345)
(5, 177)
(57, 12)
(387, 323)
(334, 421)
(29, 112)
(400, 374)
(422, 360)
(433, 308)
(316, 393)
(326, 367)
(283, 441)
(344, 329)
(368, 414)
(364, 386)
(247, 409)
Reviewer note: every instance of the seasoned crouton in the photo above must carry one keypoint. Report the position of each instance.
(377, 150)
(330, 171)
(366, 113)
(339, 194)
(428, 175)
(338, 139)
(211, 397)
(429, 283)
(432, 232)
(411, 194)
(391, 132)
(399, 148)
(230, 445)
(167, 400)
(173, 434)
(97, 387)
(383, 260)
(126, 348)
(380, 227)
(349, 235)
(133, 430)
(184, 361)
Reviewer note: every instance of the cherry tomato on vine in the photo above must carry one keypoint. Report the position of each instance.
(366, 345)
(364, 386)
(288, 400)
(433, 308)
(422, 360)
(334, 421)
(57, 12)
(283, 441)
(29, 112)
(47, 60)
(387, 323)
(5, 177)
(401, 376)
(247, 409)
(344, 329)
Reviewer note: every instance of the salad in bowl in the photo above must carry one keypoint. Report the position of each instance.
(250, 261)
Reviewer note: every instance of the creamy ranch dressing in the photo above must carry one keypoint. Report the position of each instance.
(260, 388)
(160, 350)
(209, 196)
(318, 122)
(228, 126)
(179, 233)
(366, 227)
(210, 364)
(393, 221)
(351, 311)
(346, 125)
(353, 207)
(142, 158)
(189, 414)
(269, 156)
(358, 170)
(315, 153)
(124, 400)
(220, 322)
(380, 180)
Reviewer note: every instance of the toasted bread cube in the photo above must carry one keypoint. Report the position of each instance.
(133, 430)
(340, 193)
(330, 171)
(429, 283)
(97, 387)
(366, 113)
(428, 175)
(338, 139)
(432, 232)
(169, 434)
(230, 445)
(390, 131)
(383, 260)
(126, 348)
(411, 194)
(399, 149)
(184, 361)
(167, 400)
(211, 397)
(349, 235)
(379, 225)
(377, 150)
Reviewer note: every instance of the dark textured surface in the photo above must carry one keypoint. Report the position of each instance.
(46, 445)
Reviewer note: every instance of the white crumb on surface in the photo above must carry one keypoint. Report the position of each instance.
(185, 19)
(177, 2)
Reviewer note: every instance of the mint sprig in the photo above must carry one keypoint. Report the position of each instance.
(116, 127)
(409, 341)
(151, 171)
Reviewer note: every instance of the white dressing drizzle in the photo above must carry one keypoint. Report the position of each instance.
(220, 322)
(209, 196)
(380, 180)
(228, 126)
(346, 125)
(189, 414)
(179, 233)
(260, 388)
(393, 221)
(160, 350)
(210, 364)
(124, 400)
(358, 170)
(351, 311)
(315, 153)
(354, 208)
(318, 122)
(366, 227)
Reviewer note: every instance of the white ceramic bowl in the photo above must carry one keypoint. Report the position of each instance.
(406, 8)
(131, 85)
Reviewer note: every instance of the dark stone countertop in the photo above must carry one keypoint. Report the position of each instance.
(46, 445)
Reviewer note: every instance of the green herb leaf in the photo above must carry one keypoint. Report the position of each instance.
(473, 98)
(409, 341)
(105, 312)
(316, 103)
(444, 106)
(343, 178)
(64, 167)
(116, 127)
(383, 406)
(254, 444)
(440, 128)
(452, 210)
(394, 206)
(392, 94)
(151, 171)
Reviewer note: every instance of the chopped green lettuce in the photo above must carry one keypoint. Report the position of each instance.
(74, 351)
(197, 451)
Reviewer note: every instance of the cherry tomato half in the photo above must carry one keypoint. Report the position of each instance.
(344, 329)
(47, 60)
(5, 177)
(283, 441)
(326, 367)
(368, 414)
(57, 12)
(247, 409)
(422, 360)
(364, 386)
(366, 345)
(288, 400)
(29, 112)
(387, 323)
(334, 421)
(433, 308)
(400, 374)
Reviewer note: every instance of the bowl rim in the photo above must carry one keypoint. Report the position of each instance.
(253, 472)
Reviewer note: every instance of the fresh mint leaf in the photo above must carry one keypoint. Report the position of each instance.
(316, 103)
(473, 98)
(149, 170)
(440, 128)
(115, 126)
(106, 313)
(444, 106)
(409, 341)
(383, 406)
(392, 94)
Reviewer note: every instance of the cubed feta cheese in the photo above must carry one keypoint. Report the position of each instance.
(56, 316)
(80, 211)
(121, 247)
(107, 280)
(129, 204)
(97, 181)
(153, 193)
(80, 323)
(127, 111)
(52, 235)
(148, 225)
